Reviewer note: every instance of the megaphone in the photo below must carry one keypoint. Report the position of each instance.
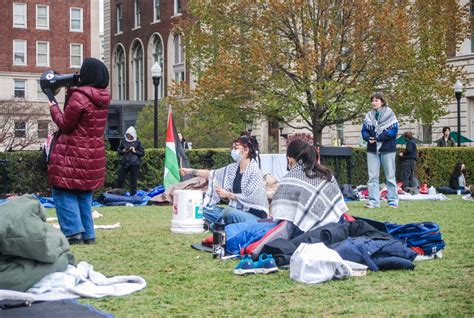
(51, 82)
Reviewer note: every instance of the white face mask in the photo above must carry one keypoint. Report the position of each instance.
(235, 153)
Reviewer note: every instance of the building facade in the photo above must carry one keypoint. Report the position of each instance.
(142, 33)
(139, 33)
(39, 35)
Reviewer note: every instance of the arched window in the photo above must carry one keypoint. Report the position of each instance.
(158, 57)
(178, 63)
(137, 70)
(120, 73)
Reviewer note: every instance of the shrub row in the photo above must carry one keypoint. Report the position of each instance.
(25, 172)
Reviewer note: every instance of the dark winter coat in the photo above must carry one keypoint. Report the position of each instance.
(78, 158)
(130, 158)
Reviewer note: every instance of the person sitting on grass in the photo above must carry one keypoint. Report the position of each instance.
(457, 180)
(241, 183)
(410, 182)
(308, 195)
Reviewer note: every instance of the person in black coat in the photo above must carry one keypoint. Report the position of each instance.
(409, 156)
(446, 140)
(131, 150)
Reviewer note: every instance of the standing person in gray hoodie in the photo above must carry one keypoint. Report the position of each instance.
(131, 150)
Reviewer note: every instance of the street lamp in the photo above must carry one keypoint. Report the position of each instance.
(156, 75)
(458, 92)
(249, 127)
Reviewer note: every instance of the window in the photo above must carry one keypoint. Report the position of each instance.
(120, 72)
(119, 19)
(178, 66)
(137, 69)
(42, 53)
(137, 13)
(39, 92)
(43, 127)
(158, 57)
(19, 52)
(42, 17)
(75, 56)
(76, 19)
(156, 10)
(19, 15)
(19, 88)
(20, 129)
(177, 7)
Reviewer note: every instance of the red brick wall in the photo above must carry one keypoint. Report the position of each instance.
(59, 36)
(144, 33)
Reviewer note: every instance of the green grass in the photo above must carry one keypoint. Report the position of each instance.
(183, 282)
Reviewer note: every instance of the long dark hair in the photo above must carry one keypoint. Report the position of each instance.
(306, 154)
(457, 169)
(250, 143)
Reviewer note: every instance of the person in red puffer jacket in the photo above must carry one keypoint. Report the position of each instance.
(77, 163)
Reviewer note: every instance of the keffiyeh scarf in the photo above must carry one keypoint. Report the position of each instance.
(308, 203)
(253, 188)
(387, 120)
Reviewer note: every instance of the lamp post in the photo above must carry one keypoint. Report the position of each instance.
(156, 75)
(249, 127)
(458, 93)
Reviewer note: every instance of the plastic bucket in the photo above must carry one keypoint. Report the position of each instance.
(187, 212)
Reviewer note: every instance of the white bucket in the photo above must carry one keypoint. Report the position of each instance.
(187, 212)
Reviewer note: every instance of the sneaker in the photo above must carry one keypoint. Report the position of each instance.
(266, 264)
(75, 239)
(89, 241)
(246, 266)
(393, 205)
(369, 205)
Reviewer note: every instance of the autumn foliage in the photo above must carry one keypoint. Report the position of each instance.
(320, 60)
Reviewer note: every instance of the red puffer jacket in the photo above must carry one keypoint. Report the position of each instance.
(77, 161)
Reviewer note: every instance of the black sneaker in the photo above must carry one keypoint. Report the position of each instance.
(75, 239)
(89, 241)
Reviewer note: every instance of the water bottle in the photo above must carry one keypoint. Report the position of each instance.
(218, 241)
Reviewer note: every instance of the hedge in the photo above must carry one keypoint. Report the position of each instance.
(27, 173)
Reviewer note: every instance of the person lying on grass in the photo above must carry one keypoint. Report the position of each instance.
(241, 183)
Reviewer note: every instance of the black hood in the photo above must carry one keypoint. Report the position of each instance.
(94, 73)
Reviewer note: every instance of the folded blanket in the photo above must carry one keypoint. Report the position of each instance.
(75, 282)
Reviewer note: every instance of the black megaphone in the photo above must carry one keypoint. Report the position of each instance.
(51, 82)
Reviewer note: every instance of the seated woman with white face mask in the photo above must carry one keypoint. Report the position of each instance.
(241, 183)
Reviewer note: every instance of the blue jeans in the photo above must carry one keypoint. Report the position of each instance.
(388, 164)
(74, 211)
(227, 215)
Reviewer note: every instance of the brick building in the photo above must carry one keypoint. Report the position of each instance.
(137, 34)
(38, 35)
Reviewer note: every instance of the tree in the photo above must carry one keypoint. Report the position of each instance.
(17, 124)
(320, 60)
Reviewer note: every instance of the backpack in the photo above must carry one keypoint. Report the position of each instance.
(423, 237)
(348, 192)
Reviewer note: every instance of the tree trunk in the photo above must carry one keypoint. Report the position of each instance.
(317, 135)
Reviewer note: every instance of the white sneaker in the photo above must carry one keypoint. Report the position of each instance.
(369, 205)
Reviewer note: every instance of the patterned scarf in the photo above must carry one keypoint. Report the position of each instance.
(387, 120)
(308, 203)
(253, 187)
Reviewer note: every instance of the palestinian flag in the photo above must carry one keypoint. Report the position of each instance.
(174, 154)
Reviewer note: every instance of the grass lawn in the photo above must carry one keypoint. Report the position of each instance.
(182, 281)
